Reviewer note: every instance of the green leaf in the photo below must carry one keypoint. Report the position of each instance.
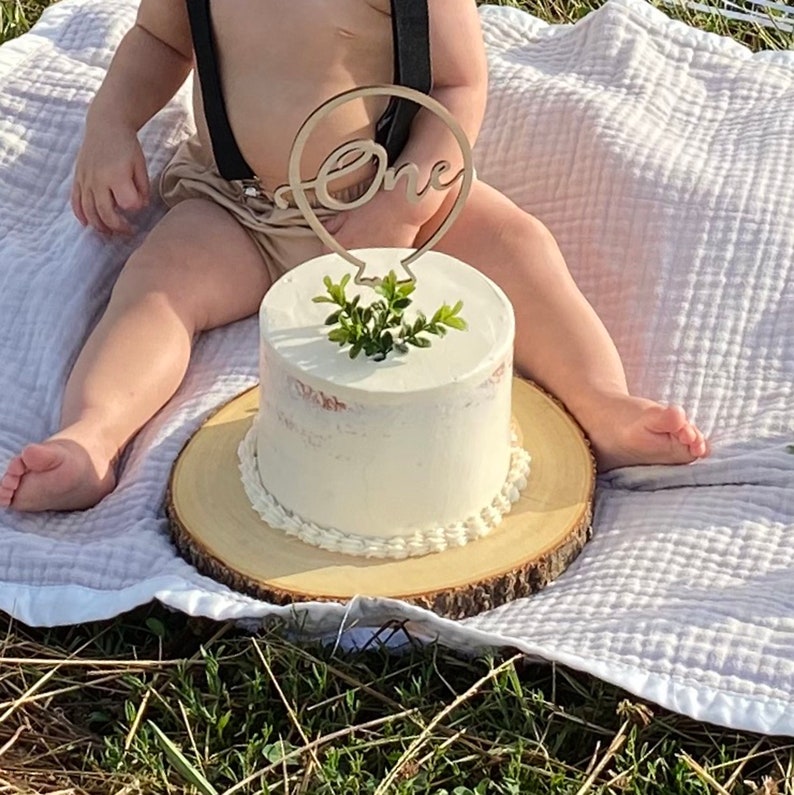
(181, 763)
(380, 327)
(456, 322)
(357, 333)
(275, 752)
(390, 285)
(98, 716)
(223, 722)
(322, 299)
(339, 335)
(156, 627)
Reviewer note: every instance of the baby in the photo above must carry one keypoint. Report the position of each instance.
(264, 66)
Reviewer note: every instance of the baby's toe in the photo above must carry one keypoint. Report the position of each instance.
(687, 434)
(700, 446)
(9, 481)
(16, 467)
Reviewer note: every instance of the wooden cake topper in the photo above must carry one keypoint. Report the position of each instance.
(354, 155)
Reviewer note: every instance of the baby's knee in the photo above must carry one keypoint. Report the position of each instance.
(147, 270)
(152, 274)
(522, 229)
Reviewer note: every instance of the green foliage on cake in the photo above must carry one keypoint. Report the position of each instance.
(381, 327)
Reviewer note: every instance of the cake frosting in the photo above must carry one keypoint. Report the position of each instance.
(402, 457)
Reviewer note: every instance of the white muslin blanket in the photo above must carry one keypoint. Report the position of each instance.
(662, 158)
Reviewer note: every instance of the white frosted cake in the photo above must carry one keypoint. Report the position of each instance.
(402, 457)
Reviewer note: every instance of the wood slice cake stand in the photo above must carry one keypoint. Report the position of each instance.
(214, 526)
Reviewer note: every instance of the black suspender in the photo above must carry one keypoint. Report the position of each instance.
(231, 164)
(411, 33)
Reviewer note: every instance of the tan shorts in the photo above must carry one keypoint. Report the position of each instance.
(283, 237)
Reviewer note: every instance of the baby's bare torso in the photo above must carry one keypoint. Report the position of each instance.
(280, 59)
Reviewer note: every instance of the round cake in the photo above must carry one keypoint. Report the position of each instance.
(394, 458)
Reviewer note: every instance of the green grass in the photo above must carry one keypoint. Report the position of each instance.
(155, 702)
(16, 16)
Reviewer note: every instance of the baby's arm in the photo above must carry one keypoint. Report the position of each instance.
(460, 80)
(460, 84)
(151, 62)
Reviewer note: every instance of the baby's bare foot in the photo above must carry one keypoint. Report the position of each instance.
(10, 481)
(59, 474)
(635, 431)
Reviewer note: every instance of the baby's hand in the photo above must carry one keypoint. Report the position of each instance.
(110, 179)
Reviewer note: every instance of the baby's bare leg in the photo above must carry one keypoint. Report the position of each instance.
(197, 270)
(560, 341)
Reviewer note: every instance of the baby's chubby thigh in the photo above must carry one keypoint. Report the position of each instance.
(202, 262)
(497, 237)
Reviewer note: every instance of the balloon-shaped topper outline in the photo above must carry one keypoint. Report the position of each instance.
(297, 186)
